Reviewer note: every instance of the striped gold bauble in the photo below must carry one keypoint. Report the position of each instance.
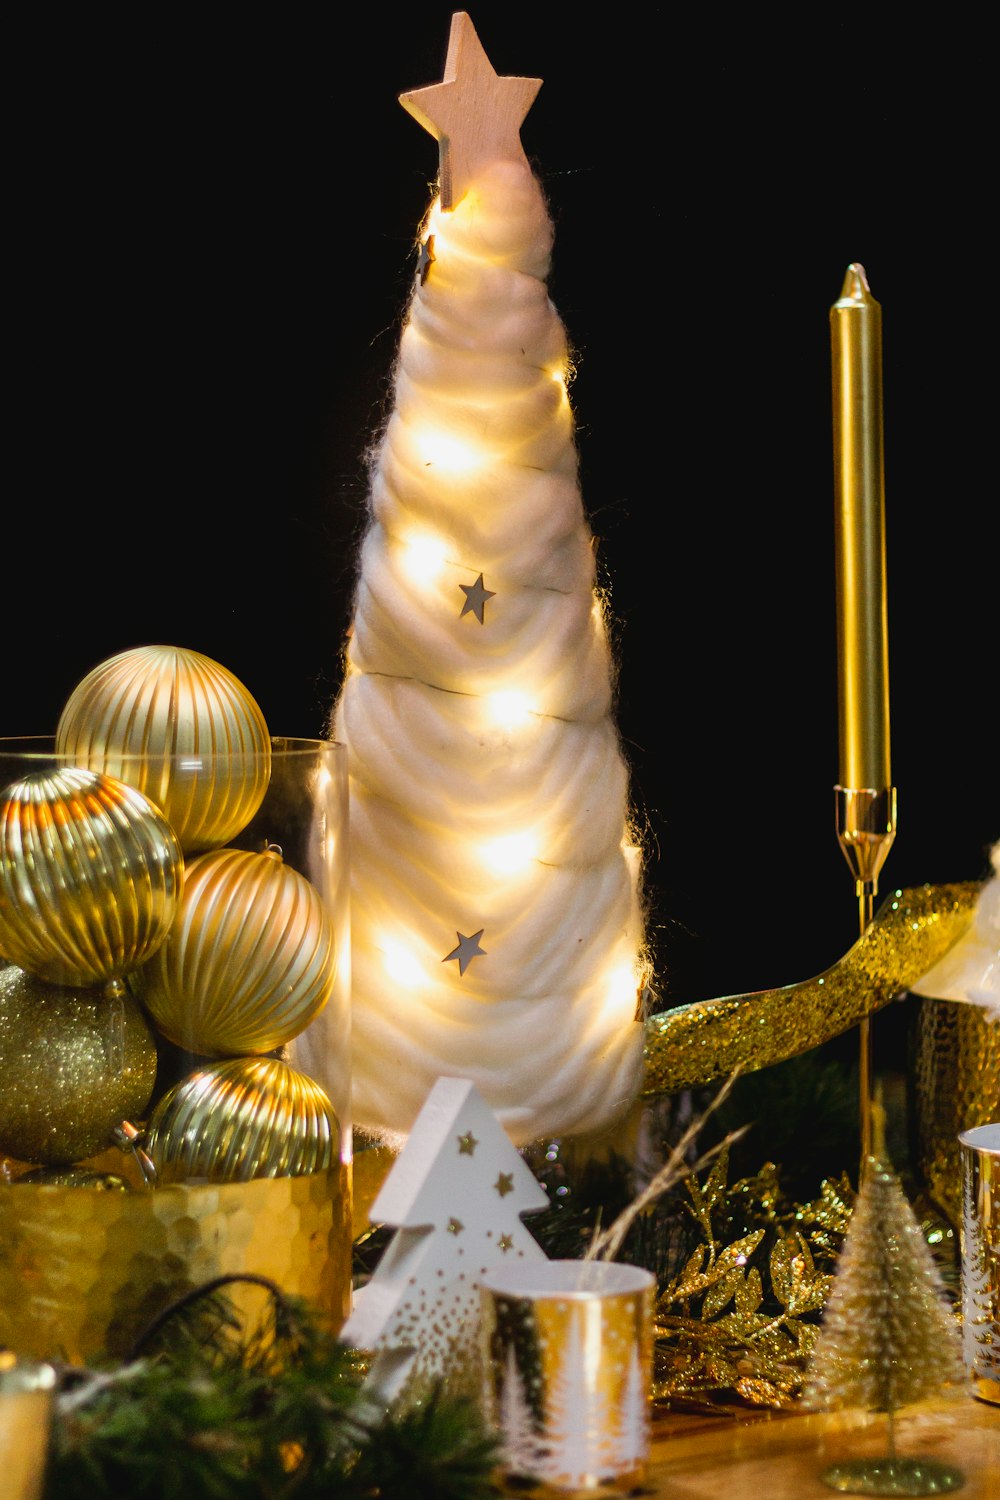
(243, 1118)
(183, 729)
(250, 961)
(90, 876)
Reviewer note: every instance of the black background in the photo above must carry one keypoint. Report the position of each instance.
(211, 221)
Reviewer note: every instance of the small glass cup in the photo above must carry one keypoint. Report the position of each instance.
(567, 1357)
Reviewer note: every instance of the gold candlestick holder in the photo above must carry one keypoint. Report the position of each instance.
(866, 828)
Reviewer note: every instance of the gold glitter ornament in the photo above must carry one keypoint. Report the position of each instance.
(90, 874)
(244, 1118)
(74, 1062)
(180, 727)
(695, 1044)
(251, 958)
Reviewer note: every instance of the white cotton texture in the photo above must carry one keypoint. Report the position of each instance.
(470, 811)
(970, 970)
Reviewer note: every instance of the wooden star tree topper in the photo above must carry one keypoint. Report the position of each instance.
(474, 114)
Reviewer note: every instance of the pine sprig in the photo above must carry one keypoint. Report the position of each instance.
(278, 1411)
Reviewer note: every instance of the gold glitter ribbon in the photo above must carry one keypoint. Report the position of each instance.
(694, 1044)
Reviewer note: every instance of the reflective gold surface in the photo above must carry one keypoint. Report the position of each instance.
(859, 486)
(567, 1361)
(980, 1243)
(955, 1082)
(82, 1271)
(90, 875)
(183, 729)
(709, 1039)
(250, 960)
(243, 1118)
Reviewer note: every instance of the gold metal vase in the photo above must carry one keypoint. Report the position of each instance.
(956, 1085)
(84, 1269)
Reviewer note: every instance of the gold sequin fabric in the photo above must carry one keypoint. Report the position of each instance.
(694, 1044)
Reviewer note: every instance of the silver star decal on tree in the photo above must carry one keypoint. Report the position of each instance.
(425, 258)
(468, 949)
(475, 598)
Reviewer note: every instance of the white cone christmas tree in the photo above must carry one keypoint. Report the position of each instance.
(456, 1192)
(497, 922)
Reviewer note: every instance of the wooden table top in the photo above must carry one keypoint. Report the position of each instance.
(780, 1456)
(755, 1454)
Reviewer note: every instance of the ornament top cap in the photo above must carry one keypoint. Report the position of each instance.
(473, 113)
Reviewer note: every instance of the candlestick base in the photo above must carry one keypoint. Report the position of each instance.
(866, 828)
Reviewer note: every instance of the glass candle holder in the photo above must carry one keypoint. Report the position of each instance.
(157, 1128)
(567, 1356)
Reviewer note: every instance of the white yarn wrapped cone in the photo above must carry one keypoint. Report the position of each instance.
(471, 812)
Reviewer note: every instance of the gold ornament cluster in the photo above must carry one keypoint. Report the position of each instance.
(128, 921)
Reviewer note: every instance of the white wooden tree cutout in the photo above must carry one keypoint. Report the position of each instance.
(497, 918)
(457, 1192)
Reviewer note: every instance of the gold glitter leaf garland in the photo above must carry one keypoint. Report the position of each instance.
(694, 1044)
(726, 1326)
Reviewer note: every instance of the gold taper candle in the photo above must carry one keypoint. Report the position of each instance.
(865, 796)
(859, 483)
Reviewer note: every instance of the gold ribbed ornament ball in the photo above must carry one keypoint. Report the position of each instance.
(183, 729)
(250, 960)
(90, 876)
(74, 1063)
(243, 1118)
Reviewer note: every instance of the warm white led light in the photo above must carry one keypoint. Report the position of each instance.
(451, 454)
(424, 557)
(510, 710)
(621, 991)
(401, 964)
(512, 854)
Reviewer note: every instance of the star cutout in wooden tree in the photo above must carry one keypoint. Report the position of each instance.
(474, 114)
(468, 949)
(475, 598)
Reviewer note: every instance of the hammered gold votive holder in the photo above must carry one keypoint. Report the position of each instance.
(955, 1068)
(567, 1357)
(83, 1270)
